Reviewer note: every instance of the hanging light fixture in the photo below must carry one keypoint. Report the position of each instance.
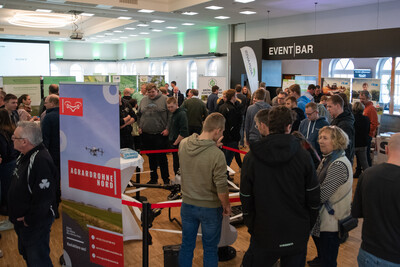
(41, 20)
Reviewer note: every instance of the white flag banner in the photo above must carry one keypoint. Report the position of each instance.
(250, 63)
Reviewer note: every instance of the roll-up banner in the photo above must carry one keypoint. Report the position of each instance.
(207, 82)
(250, 63)
(90, 174)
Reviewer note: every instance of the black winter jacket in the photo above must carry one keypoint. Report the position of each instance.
(32, 193)
(233, 116)
(280, 193)
(345, 121)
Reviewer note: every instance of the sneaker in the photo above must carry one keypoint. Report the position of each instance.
(6, 225)
(152, 182)
(314, 263)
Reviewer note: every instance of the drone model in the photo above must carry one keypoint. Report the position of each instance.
(94, 150)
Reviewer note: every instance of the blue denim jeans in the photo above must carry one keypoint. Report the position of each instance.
(33, 243)
(366, 259)
(210, 220)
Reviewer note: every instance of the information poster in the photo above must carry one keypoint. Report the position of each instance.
(48, 80)
(371, 85)
(332, 86)
(286, 83)
(125, 81)
(305, 81)
(207, 82)
(157, 79)
(90, 175)
(20, 85)
(96, 78)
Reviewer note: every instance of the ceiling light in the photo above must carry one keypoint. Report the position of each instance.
(130, 29)
(118, 31)
(107, 41)
(244, 1)
(1, 6)
(43, 10)
(100, 36)
(170, 27)
(133, 35)
(142, 25)
(189, 13)
(40, 20)
(248, 12)
(156, 30)
(146, 11)
(108, 33)
(158, 21)
(187, 24)
(143, 33)
(115, 39)
(104, 6)
(214, 7)
(123, 37)
(125, 18)
(222, 17)
(87, 14)
(93, 38)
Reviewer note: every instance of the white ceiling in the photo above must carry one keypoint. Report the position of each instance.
(105, 16)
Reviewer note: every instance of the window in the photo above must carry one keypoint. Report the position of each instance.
(192, 75)
(124, 69)
(165, 71)
(133, 69)
(211, 69)
(342, 68)
(77, 71)
(152, 69)
(383, 72)
(54, 70)
(100, 69)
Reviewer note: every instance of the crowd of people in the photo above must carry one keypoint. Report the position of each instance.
(296, 179)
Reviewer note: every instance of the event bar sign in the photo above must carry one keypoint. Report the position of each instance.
(90, 174)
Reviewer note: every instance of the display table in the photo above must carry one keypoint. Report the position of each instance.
(131, 229)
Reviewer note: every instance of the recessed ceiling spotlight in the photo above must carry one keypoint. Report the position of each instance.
(130, 28)
(214, 7)
(156, 30)
(142, 25)
(143, 33)
(133, 35)
(222, 17)
(248, 12)
(158, 21)
(125, 18)
(170, 27)
(244, 1)
(123, 37)
(115, 39)
(146, 11)
(189, 13)
(187, 24)
(87, 14)
(100, 36)
(118, 31)
(43, 10)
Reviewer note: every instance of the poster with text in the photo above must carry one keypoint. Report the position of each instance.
(47, 80)
(305, 81)
(19, 85)
(207, 82)
(371, 85)
(125, 81)
(286, 83)
(90, 174)
(332, 86)
(157, 79)
(96, 78)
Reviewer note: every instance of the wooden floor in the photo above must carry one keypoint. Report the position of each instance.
(133, 249)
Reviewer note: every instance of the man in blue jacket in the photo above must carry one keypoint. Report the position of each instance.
(310, 127)
(32, 195)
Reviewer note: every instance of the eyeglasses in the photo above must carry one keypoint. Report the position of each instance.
(15, 138)
(309, 114)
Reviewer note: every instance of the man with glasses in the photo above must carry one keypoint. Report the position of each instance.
(32, 195)
(310, 126)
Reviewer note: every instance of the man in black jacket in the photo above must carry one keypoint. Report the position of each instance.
(344, 120)
(280, 193)
(32, 195)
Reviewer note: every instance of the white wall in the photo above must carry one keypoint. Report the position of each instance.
(82, 50)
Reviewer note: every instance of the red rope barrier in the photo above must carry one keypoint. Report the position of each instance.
(234, 150)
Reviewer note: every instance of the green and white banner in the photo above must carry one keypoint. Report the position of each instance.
(48, 80)
(250, 63)
(207, 82)
(19, 85)
(125, 81)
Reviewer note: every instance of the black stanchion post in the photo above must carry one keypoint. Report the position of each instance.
(138, 181)
(145, 225)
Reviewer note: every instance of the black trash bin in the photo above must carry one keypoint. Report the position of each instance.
(171, 255)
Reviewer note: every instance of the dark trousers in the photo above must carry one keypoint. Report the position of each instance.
(230, 154)
(369, 160)
(175, 158)
(327, 247)
(33, 243)
(6, 171)
(195, 129)
(258, 256)
(156, 142)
